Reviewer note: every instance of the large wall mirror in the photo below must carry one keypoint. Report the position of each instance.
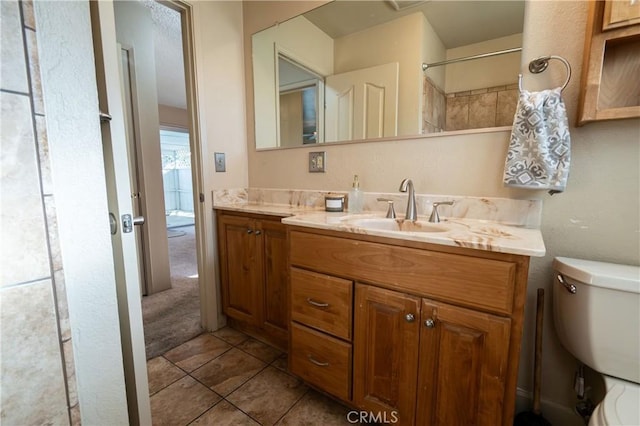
(353, 70)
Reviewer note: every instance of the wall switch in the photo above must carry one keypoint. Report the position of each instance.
(317, 162)
(220, 162)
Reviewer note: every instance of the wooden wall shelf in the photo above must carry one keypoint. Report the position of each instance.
(610, 87)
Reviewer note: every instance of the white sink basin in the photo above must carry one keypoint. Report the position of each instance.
(398, 225)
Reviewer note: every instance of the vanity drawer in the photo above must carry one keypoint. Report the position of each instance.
(322, 301)
(470, 281)
(321, 360)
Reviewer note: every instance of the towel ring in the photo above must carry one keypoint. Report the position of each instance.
(540, 64)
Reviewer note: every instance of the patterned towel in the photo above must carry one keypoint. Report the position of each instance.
(540, 147)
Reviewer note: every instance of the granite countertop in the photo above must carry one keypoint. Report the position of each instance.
(280, 210)
(502, 225)
(458, 232)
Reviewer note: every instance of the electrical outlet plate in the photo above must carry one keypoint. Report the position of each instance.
(317, 162)
(220, 162)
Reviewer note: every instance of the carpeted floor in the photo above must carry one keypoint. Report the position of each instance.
(172, 317)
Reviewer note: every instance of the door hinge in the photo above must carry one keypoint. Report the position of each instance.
(201, 197)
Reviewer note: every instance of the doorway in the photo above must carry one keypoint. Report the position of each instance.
(162, 154)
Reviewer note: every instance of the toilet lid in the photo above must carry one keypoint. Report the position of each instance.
(621, 405)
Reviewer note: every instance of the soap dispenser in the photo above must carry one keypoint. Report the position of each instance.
(356, 197)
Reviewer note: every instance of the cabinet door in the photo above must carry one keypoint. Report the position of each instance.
(240, 274)
(274, 304)
(463, 364)
(386, 353)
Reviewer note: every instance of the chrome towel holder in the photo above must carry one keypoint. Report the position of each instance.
(540, 64)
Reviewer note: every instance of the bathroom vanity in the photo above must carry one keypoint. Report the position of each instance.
(423, 326)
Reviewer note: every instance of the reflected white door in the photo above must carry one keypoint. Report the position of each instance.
(362, 104)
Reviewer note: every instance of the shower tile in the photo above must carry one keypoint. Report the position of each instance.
(482, 110)
(507, 103)
(13, 74)
(457, 115)
(21, 214)
(32, 390)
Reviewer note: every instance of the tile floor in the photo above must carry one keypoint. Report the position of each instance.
(229, 378)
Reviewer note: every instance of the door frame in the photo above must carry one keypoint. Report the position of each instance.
(209, 312)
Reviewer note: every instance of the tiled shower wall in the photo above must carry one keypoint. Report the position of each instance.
(474, 109)
(38, 375)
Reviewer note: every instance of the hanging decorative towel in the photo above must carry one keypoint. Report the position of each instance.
(540, 147)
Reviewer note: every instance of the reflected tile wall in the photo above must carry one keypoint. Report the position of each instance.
(38, 375)
(471, 109)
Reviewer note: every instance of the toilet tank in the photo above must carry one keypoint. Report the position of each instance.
(599, 323)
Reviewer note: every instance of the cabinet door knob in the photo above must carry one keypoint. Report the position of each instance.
(430, 323)
(410, 318)
(249, 231)
(258, 232)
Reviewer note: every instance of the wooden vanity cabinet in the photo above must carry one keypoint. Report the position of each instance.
(253, 271)
(436, 329)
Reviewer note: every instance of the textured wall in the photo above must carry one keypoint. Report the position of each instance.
(38, 375)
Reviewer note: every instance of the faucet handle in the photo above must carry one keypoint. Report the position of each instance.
(391, 213)
(435, 217)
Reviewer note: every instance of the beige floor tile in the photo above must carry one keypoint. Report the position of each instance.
(230, 370)
(281, 363)
(260, 350)
(197, 351)
(181, 402)
(268, 396)
(317, 409)
(224, 414)
(162, 373)
(230, 335)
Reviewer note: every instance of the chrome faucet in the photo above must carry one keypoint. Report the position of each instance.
(412, 213)
(435, 217)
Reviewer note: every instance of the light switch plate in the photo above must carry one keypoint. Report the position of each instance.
(220, 162)
(317, 162)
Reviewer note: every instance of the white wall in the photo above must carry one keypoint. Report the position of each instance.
(397, 41)
(218, 49)
(487, 72)
(300, 40)
(596, 218)
(134, 29)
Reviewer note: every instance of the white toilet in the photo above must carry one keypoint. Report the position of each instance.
(596, 309)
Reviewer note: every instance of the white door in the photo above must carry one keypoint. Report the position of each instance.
(362, 104)
(126, 61)
(116, 164)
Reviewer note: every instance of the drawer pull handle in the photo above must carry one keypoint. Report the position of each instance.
(410, 318)
(318, 363)
(430, 323)
(317, 304)
(249, 231)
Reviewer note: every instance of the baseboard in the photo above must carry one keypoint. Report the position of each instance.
(556, 414)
